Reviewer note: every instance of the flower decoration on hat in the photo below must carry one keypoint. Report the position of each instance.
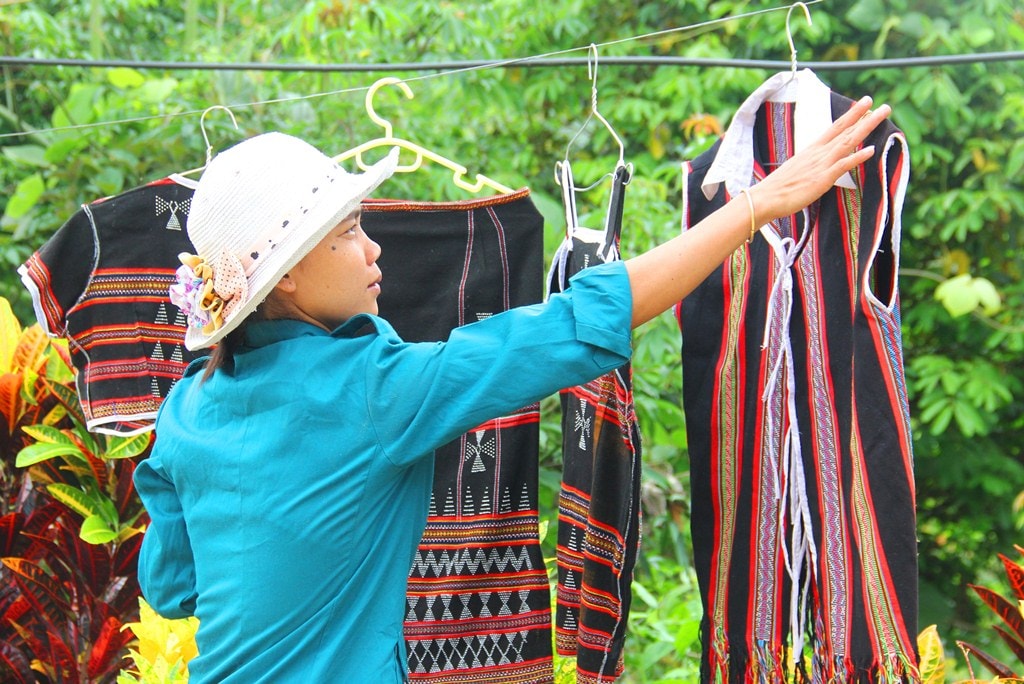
(208, 291)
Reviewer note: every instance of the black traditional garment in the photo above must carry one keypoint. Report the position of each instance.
(478, 597)
(102, 282)
(797, 416)
(599, 501)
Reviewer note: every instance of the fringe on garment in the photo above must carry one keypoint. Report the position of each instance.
(764, 663)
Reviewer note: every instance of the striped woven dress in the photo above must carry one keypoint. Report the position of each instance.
(599, 500)
(478, 601)
(798, 423)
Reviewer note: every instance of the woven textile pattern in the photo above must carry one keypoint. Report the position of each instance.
(478, 599)
(798, 425)
(599, 501)
(101, 281)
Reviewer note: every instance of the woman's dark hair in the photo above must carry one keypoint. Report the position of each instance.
(223, 355)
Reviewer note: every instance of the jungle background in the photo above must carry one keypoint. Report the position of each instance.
(961, 265)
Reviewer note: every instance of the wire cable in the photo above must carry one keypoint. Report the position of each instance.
(455, 66)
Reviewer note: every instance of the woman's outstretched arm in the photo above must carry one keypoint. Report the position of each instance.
(667, 273)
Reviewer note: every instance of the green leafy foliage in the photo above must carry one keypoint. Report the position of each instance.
(962, 275)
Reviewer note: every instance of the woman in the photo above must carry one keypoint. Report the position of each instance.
(289, 484)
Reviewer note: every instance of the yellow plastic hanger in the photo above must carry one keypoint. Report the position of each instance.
(206, 138)
(389, 140)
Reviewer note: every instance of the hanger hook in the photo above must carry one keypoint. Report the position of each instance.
(592, 74)
(377, 85)
(592, 62)
(789, 32)
(202, 127)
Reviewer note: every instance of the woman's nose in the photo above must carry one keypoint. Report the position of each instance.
(372, 251)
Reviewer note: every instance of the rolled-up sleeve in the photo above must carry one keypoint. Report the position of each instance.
(422, 395)
(166, 567)
(602, 306)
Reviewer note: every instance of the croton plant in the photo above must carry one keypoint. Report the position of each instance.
(70, 522)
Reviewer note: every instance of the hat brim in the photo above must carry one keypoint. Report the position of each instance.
(332, 207)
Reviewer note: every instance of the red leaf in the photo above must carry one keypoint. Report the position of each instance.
(126, 499)
(68, 398)
(99, 469)
(993, 665)
(10, 532)
(126, 601)
(1015, 573)
(62, 659)
(56, 559)
(126, 558)
(15, 610)
(50, 652)
(1003, 608)
(92, 561)
(42, 517)
(36, 586)
(1014, 643)
(106, 648)
(16, 666)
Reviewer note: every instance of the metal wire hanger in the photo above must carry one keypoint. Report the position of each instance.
(206, 138)
(789, 35)
(783, 91)
(592, 63)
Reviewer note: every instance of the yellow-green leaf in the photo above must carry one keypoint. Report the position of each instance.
(73, 498)
(123, 77)
(37, 453)
(96, 531)
(957, 295)
(933, 657)
(127, 447)
(33, 155)
(988, 296)
(10, 332)
(46, 434)
(25, 196)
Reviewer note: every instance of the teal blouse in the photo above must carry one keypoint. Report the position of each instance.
(287, 496)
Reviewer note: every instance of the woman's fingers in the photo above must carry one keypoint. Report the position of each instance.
(849, 162)
(852, 131)
(845, 147)
(854, 114)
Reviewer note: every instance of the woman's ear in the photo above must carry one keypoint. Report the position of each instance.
(286, 284)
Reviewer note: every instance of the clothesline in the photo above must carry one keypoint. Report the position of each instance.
(528, 63)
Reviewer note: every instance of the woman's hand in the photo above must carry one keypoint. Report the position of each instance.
(667, 273)
(810, 173)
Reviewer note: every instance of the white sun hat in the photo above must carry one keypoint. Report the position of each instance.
(260, 207)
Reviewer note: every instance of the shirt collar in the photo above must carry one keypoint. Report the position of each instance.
(734, 161)
(263, 333)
